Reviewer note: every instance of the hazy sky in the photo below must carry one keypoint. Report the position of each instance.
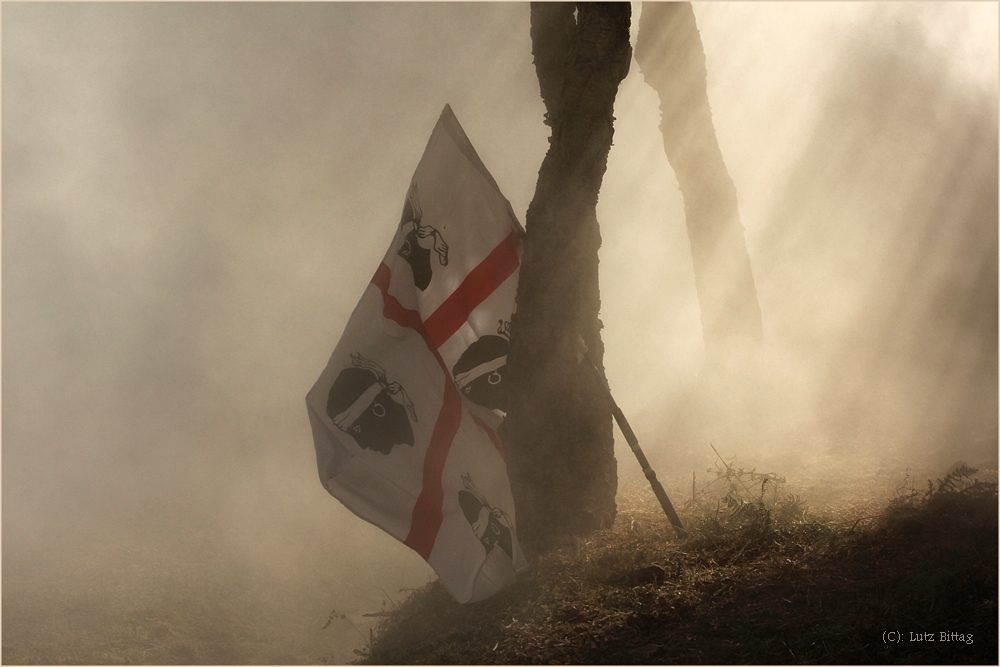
(195, 195)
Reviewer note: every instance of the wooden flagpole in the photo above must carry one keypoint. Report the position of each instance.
(633, 442)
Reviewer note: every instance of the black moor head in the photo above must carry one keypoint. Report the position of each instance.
(363, 406)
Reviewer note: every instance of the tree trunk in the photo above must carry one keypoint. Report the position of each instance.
(672, 60)
(558, 430)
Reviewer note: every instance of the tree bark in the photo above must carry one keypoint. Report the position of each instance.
(671, 58)
(558, 430)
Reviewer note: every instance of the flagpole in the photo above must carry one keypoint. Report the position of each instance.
(633, 443)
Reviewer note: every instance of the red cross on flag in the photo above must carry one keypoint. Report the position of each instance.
(404, 415)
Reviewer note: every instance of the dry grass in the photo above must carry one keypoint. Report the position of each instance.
(762, 579)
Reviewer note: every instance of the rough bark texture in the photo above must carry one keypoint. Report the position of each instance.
(672, 60)
(558, 430)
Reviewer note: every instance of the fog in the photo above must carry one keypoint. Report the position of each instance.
(195, 195)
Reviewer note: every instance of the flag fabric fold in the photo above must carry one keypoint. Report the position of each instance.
(404, 415)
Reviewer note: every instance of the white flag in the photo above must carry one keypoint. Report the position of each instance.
(404, 416)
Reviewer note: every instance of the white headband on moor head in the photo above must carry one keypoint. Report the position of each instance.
(344, 420)
(463, 379)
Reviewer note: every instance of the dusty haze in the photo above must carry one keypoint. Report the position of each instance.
(194, 197)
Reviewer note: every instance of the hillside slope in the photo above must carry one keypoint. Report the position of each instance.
(760, 580)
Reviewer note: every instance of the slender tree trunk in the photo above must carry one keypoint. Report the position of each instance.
(672, 60)
(558, 429)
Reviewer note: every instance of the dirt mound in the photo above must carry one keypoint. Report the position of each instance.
(760, 580)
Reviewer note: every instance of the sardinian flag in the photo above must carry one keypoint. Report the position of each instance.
(404, 416)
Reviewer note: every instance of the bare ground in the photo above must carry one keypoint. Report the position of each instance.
(186, 601)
